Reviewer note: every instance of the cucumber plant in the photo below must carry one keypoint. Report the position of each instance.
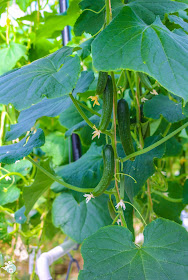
(121, 86)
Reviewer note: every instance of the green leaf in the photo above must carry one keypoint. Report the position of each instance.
(57, 147)
(111, 254)
(89, 21)
(173, 148)
(47, 107)
(141, 168)
(167, 209)
(84, 173)
(87, 77)
(8, 194)
(51, 76)
(3, 5)
(179, 21)
(162, 105)
(23, 4)
(11, 153)
(94, 119)
(148, 10)
(85, 49)
(22, 166)
(80, 219)
(40, 185)
(58, 22)
(71, 117)
(185, 192)
(160, 53)
(27, 118)
(10, 55)
(19, 216)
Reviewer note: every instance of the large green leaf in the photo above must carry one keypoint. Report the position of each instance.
(85, 172)
(167, 209)
(57, 147)
(48, 107)
(40, 185)
(111, 254)
(11, 153)
(159, 52)
(52, 76)
(162, 105)
(58, 22)
(141, 168)
(148, 10)
(8, 194)
(80, 219)
(10, 55)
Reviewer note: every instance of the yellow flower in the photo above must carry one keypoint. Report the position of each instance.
(95, 99)
(96, 132)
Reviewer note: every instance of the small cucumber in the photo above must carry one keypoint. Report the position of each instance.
(107, 105)
(108, 171)
(101, 84)
(123, 116)
(145, 81)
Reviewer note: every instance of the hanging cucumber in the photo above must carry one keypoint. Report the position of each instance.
(123, 116)
(145, 81)
(108, 171)
(101, 84)
(107, 105)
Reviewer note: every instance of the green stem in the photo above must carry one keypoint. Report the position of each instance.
(89, 109)
(137, 211)
(14, 173)
(83, 115)
(153, 146)
(60, 181)
(167, 129)
(175, 200)
(130, 82)
(116, 218)
(147, 91)
(108, 13)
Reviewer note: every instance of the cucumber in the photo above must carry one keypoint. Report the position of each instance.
(107, 105)
(123, 117)
(108, 171)
(101, 84)
(145, 81)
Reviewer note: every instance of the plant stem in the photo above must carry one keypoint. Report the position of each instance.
(150, 202)
(89, 109)
(138, 113)
(16, 174)
(153, 146)
(83, 115)
(60, 181)
(137, 211)
(175, 200)
(167, 129)
(108, 11)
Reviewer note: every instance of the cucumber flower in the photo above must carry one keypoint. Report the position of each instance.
(88, 197)
(95, 99)
(96, 132)
(121, 204)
